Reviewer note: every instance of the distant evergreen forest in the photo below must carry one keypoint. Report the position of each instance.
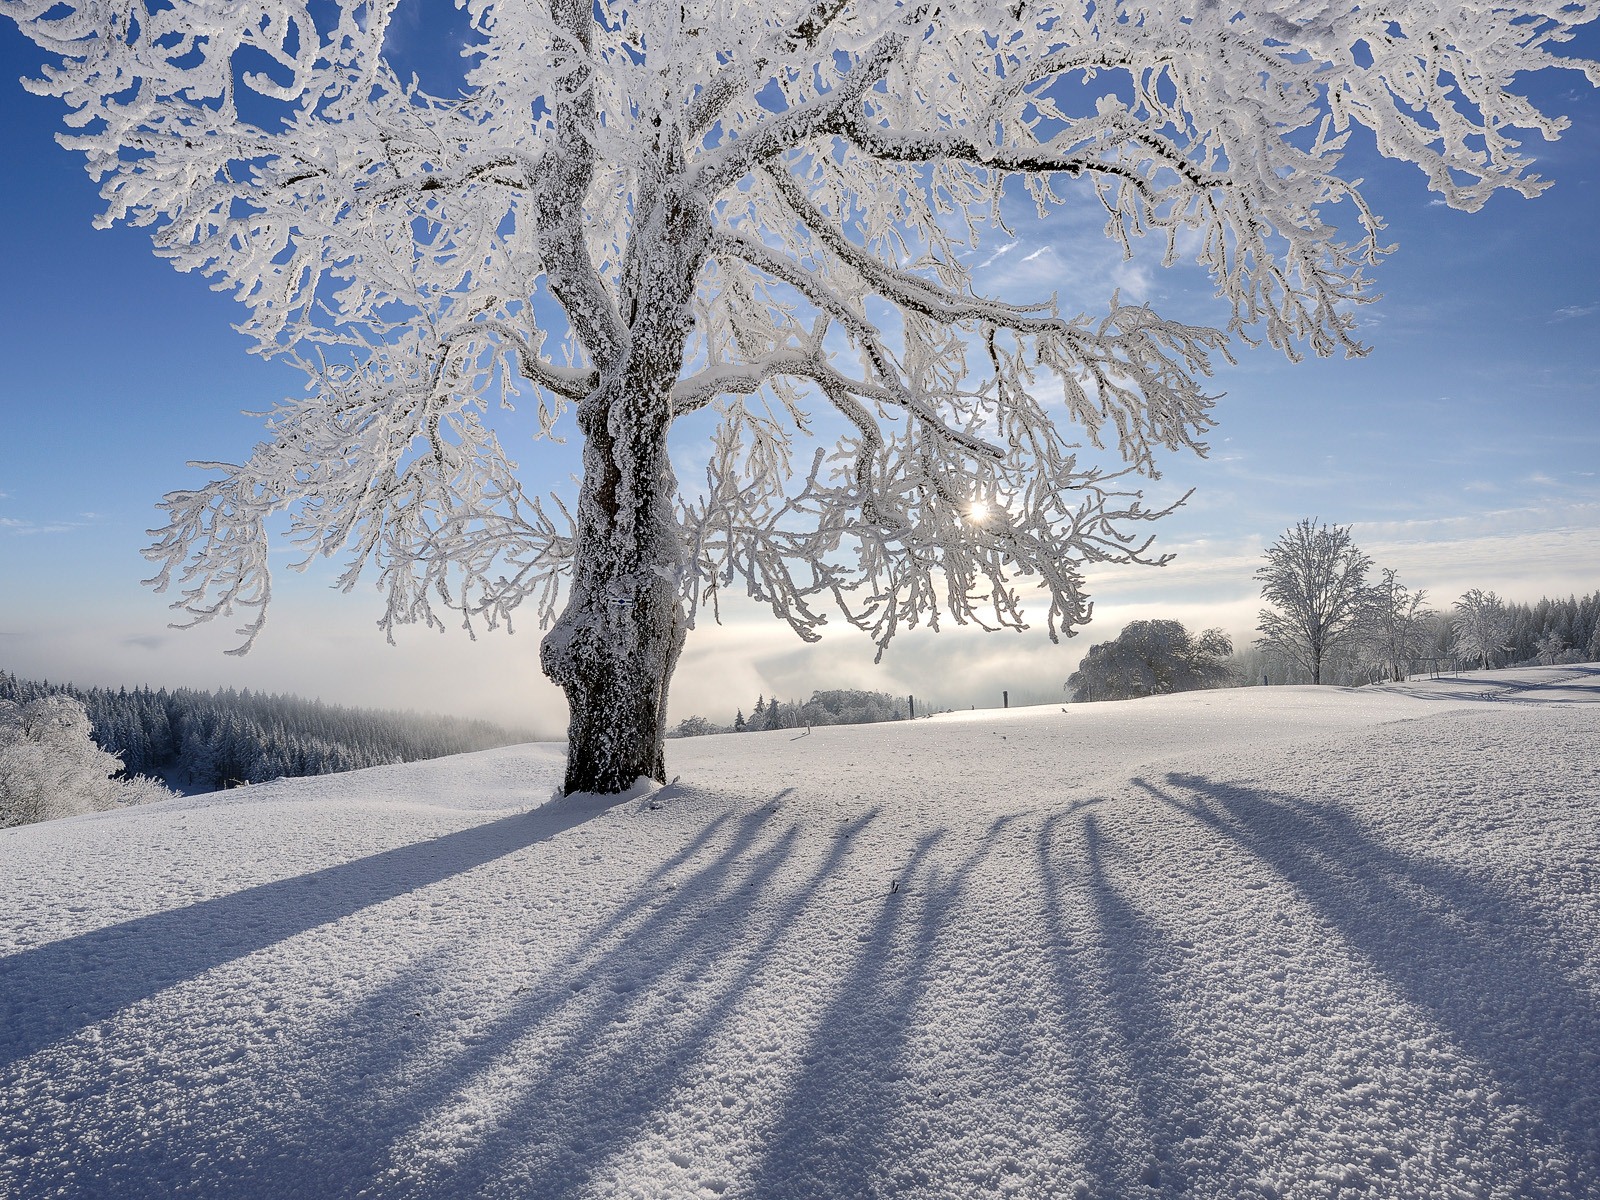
(840, 706)
(206, 741)
(1575, 620)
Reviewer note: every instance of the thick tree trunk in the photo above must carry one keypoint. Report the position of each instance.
(615, 667)
(614, 648)
(616, 644)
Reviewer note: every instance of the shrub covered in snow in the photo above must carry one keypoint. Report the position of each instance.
(50, 766)
(695, 727)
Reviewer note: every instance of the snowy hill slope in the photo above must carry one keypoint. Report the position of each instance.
(1271, 942)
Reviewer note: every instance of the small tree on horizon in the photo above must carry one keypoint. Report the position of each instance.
(1316, 579)
(762, 212)
(1396, 627)
(1550, 647)
(1481, 627)
(1152, 658)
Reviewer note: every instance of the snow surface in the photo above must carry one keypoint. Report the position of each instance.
(1299, 942)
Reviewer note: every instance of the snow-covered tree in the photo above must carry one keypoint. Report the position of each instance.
(639, 212)
(1396, 627)
(1316, 580)
(695, 726)
(50, 766)
(1550, 647)
(1481, 627)
(850, 706)
(1152, 658)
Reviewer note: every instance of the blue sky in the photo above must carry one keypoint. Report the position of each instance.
(1463, 449)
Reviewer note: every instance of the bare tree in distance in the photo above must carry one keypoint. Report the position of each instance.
(1481, 627)
(1398, 626)
(634, 213)
(1316, 580)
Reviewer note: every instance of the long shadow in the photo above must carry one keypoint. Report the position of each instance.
(1504, 689)
(54, 991)
(1143, 1096)
(373, 1074)
(828, 1140)
(1457, 948)
(612, 1055)
(620, 1065)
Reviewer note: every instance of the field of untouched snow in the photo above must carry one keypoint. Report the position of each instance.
(1274, 942)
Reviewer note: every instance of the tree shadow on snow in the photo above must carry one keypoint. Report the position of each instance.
(829, 1139)
(570, 1069)
(1141, 1094)
(56, 990)
(1496, 688)
(1460, 950)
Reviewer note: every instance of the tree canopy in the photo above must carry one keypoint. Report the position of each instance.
(1481, 626)
(644, 211)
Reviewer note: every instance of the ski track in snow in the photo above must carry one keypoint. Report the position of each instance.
(1285, 942)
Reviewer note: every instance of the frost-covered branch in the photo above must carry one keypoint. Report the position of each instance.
(385, 465)
(767, 210)
(894, 530)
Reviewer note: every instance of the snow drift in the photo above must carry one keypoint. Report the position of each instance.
(1270, 942)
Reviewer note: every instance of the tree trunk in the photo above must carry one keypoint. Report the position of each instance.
(616, 668)
(614, 648)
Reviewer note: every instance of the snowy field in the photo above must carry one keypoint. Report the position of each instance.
(1271, 942)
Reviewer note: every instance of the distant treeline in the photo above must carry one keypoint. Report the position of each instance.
(836, 707)
(205, 741)
(1575, 620)
(1573, 624)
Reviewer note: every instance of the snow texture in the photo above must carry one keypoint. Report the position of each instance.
(1273, 942)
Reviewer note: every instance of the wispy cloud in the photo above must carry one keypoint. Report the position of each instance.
(1004, 250)
(22, 528)
(1573, 311)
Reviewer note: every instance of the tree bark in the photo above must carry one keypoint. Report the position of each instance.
(615, 646)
